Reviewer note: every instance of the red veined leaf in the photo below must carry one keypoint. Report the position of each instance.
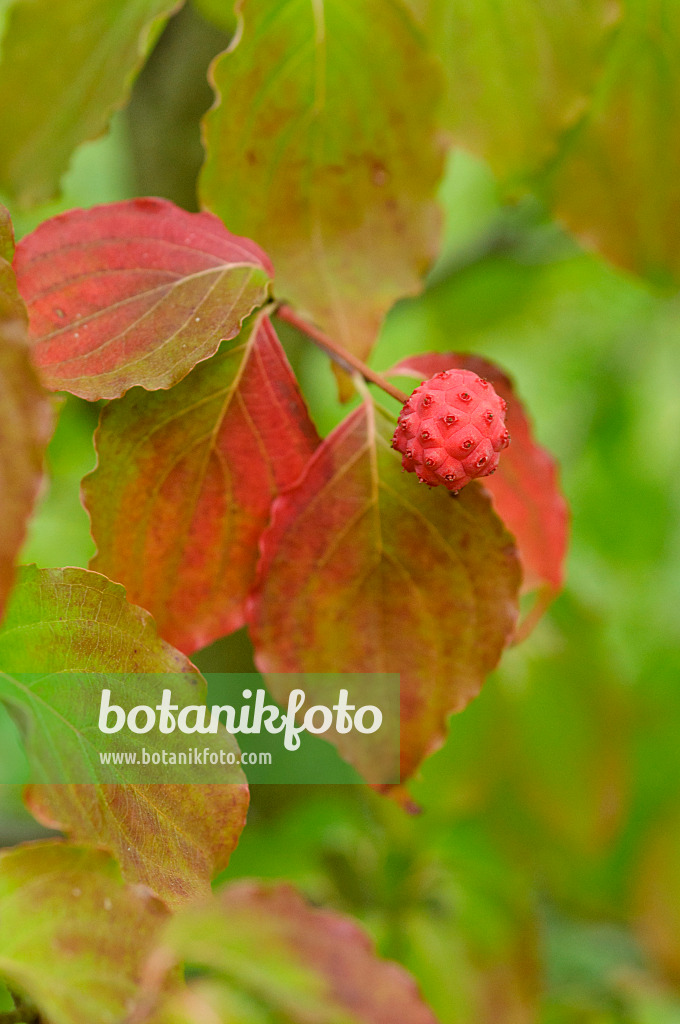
(525, 488)
(362, 570)
(134, 293)
(185, 481)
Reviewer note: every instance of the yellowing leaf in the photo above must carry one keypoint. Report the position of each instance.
(323, 147)
(616, 184)
(519, 72)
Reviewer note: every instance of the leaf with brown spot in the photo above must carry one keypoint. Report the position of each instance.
(323, 146)
(364, 571)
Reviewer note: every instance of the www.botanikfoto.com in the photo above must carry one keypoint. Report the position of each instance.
(189, 757)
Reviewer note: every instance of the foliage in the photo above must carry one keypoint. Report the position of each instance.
(238, 482)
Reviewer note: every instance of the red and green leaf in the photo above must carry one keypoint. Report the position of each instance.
(64, 621)
(364, 571)
(185, 482)
(266, 955)
(134, 293)
(74, 937)
(525, 488)
(323, 146)
(65, 68)
(25, 419)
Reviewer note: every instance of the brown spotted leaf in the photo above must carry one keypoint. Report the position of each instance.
(185, 481)
(134, 293)
(525, 488)
(64, 621)
(364, 571)
(323, 147)
(74, 937)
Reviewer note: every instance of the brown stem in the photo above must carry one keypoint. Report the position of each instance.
(339, 354)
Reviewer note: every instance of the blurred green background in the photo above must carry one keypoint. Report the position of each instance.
(540, 878)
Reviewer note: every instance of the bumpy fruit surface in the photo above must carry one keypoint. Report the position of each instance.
(452, 429)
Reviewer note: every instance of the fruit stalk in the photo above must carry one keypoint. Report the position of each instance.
(338, 353)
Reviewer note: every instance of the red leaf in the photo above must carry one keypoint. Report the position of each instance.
(134, 293)
(364, 571)
(185, 481)
(525, 489)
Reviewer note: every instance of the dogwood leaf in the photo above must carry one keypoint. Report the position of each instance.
(185, 481)
(513, 103)
(269, 956)
(617, 182)
(364, 571)
(65, 68)
(66, 621)
(74, 937)
(323, 147)
(134, 293)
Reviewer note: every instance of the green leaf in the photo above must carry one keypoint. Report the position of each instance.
(364, 571)
(275, 958)
(616, 183)
(172, 837)
(65, 68)
(323, 147)
(74, 938)
(25, 419)
(519, 72)
(579, 102)
(134, 293)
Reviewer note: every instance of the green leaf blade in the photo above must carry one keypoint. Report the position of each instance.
(66, 67)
